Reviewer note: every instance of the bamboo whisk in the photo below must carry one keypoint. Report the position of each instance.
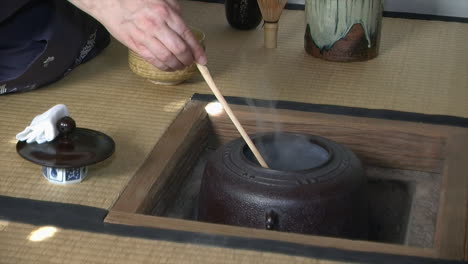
(271, 12)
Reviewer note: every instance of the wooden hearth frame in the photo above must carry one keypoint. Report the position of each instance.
(386, 143)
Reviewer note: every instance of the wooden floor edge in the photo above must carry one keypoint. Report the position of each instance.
(140, 220)
(451, 235)
(120, 204)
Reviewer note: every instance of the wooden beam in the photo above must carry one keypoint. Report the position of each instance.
(140, 193)
(450, 234)
(125, 218)
(384, 143)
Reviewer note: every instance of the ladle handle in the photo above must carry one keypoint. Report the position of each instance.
(209, 80)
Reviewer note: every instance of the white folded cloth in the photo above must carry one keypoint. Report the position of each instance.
(43, 128)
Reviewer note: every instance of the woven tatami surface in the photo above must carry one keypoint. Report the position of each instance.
(423, 67)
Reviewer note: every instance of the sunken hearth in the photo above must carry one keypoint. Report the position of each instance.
(415, 175)
(403, 204)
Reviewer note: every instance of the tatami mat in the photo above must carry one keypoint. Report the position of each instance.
(423, 67)
(70, 246)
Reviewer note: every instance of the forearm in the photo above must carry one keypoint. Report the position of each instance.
(97, 8)
(152, 28)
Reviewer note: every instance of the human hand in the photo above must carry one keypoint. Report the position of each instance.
(153, 29)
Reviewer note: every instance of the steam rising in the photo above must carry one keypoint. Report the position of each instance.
(288, 152)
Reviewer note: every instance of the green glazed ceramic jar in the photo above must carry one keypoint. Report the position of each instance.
(344, 30)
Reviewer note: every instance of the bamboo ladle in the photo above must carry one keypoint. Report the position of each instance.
(209, 80)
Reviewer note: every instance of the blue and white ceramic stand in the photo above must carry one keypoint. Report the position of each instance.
(64, 175)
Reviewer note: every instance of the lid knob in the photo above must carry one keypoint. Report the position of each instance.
(66, 125)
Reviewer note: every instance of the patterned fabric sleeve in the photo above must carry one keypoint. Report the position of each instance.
(47, 39)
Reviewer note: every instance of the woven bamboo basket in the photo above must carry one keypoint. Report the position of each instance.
(146, 70)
